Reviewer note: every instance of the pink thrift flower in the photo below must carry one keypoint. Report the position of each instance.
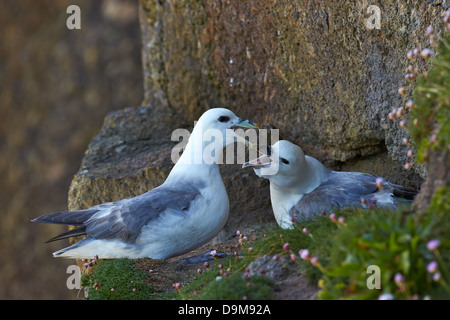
(379, 183)
(333, 217)
(432, 267)
(410, 55)
(433, 244)
(399, 279)
(304, 254)
(426, 53)
(436, 276)
(314, 261)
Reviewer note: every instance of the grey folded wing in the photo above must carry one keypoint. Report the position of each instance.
(125, 219)
(342, 189)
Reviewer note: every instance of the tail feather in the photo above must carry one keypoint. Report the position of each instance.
(75, 218)
(68, 253)
(405, 193)
(71, 233)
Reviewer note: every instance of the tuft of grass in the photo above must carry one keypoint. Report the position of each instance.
(117, 279)
(430, 117)
(394, 242)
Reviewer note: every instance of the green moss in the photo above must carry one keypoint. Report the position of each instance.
(440, 208)
(393, 241)
(431, 113)
(440, 203)
(117, 279)
(396, 242)
(235, 287)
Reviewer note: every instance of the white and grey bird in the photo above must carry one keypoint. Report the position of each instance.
(301, 187)
(183, 213)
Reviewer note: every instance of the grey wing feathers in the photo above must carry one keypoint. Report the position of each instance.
(126, 222)
(123, 219)
(74, 218)
(343, 189)
(403, 192)
(80, 231)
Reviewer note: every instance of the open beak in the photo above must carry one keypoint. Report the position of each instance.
(262, 162)
(244, 124)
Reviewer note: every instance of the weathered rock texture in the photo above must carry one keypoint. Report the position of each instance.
(309, 68)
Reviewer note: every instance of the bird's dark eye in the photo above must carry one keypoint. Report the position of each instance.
(284, 161)
(224, 119)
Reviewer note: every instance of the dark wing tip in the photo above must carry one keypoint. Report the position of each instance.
(75, 218)
(71, 233)
(405, 193)
(42, 219)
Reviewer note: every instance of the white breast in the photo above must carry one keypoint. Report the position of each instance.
(175, 234)
(281, 204)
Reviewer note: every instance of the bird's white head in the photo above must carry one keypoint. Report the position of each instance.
(212, 132)
(219, 121)
(283, 165)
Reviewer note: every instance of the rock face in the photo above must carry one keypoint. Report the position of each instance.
(312, 69)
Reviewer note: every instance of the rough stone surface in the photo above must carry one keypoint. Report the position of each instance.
(289, 282)
(438, 177)
(265, 265)
(309, 68)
